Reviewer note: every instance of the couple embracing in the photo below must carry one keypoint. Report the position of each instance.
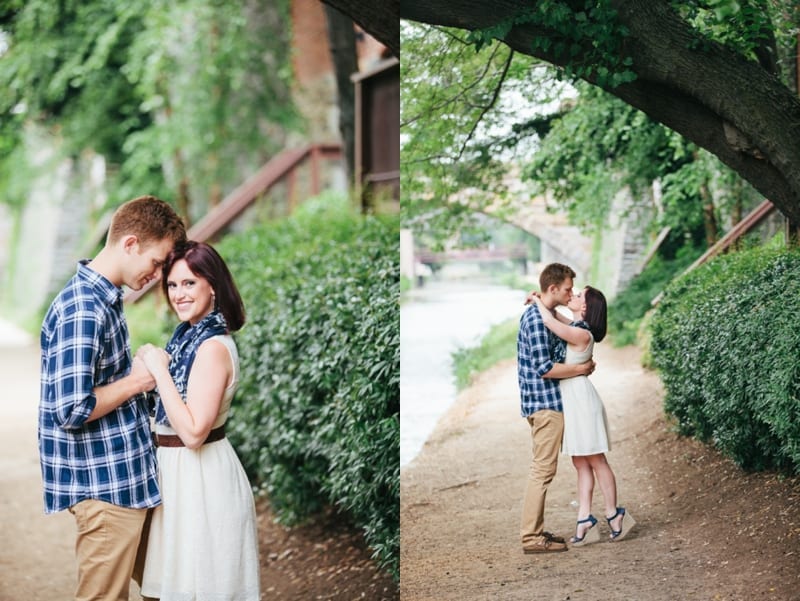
(563, 409)
(180, 520)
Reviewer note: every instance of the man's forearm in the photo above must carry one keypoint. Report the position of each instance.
(562, 371)
(111, 396)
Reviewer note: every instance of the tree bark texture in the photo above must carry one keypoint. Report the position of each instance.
(733, 108)
(379, 19)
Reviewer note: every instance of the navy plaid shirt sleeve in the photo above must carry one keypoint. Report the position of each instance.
(534, 343)
(74, 346)
(533, 361)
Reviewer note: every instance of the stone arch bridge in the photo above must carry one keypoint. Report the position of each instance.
(608, 260)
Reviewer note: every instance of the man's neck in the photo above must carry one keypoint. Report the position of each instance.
(549, 301)
(104, 264)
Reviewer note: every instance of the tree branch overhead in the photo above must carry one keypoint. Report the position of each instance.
(734, 107)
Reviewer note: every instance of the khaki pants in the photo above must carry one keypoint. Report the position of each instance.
(547, 429)
(141, 555)
(106, 545)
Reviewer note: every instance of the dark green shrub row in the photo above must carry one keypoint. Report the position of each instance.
(316, 419)
(726, 341)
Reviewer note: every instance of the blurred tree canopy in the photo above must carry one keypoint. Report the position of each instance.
(181, 98)
(600, 144)
(457, 135)
(471, 119)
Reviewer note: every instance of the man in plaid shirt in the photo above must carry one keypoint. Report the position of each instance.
(540, 356)
(95, 447)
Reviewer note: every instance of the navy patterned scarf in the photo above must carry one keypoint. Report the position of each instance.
(558, 348)
(182, 349)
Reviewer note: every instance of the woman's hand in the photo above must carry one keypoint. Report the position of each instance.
(532, 296)
(154, 358)
(546, 313)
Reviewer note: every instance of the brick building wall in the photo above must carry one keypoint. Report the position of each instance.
(314, 79)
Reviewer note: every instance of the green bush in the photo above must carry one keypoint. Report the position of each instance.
(499, 344)
(150, 320)
(725, 340)
(316, 419)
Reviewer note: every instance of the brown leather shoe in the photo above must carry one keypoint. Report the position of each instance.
(544, 546)
(553, 537)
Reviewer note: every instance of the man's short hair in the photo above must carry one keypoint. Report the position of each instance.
(553, 275)
(148, 218)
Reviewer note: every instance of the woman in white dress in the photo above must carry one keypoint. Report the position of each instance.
(203, 539)
(586, 437)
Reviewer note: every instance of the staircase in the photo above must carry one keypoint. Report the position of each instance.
(283, 168)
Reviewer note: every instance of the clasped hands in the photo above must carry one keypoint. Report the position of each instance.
(153, 357)
(146, 363)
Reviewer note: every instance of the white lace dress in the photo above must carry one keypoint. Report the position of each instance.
(585, 421)
(203, 543)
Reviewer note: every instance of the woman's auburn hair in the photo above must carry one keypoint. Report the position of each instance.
(596, 312)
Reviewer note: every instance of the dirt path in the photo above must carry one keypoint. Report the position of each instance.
(706, 531)
(36, 556)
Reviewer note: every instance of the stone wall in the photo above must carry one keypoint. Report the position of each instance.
(608, 260)
(52, 230)
(314, 90)
(621, 245)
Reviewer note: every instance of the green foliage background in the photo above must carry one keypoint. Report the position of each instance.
(725, 341)
(316, 420)
(181, 99)
(498, 344)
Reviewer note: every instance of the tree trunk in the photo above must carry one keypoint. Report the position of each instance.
(380, 19)
(731, 107)
(709, 217)
(792, 233)
(183, 201)
(342, 41)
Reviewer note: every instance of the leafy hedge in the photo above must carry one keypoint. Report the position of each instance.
(726, 341)
(316, 419)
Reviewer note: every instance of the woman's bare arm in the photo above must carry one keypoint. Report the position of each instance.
(575, 336)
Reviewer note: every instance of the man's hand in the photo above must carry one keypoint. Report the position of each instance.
(111, 396)
(142, 375)
(587, 368)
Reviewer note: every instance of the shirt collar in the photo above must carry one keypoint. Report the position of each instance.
(102, 287)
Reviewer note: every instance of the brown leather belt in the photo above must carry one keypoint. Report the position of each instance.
(172, 440)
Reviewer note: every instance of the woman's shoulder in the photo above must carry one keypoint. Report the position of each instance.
(581, 324)
(218, 344)
(589, 341)
(220, 349)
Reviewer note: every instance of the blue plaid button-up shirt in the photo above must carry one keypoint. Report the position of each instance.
(85, 343)
(537, 350)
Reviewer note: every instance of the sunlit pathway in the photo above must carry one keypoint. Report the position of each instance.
(36, 557)
(695, 541)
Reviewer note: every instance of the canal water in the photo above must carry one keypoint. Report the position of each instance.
(438, 319)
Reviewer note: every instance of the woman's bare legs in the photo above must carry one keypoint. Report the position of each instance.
(585, 492)
(608, 484)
